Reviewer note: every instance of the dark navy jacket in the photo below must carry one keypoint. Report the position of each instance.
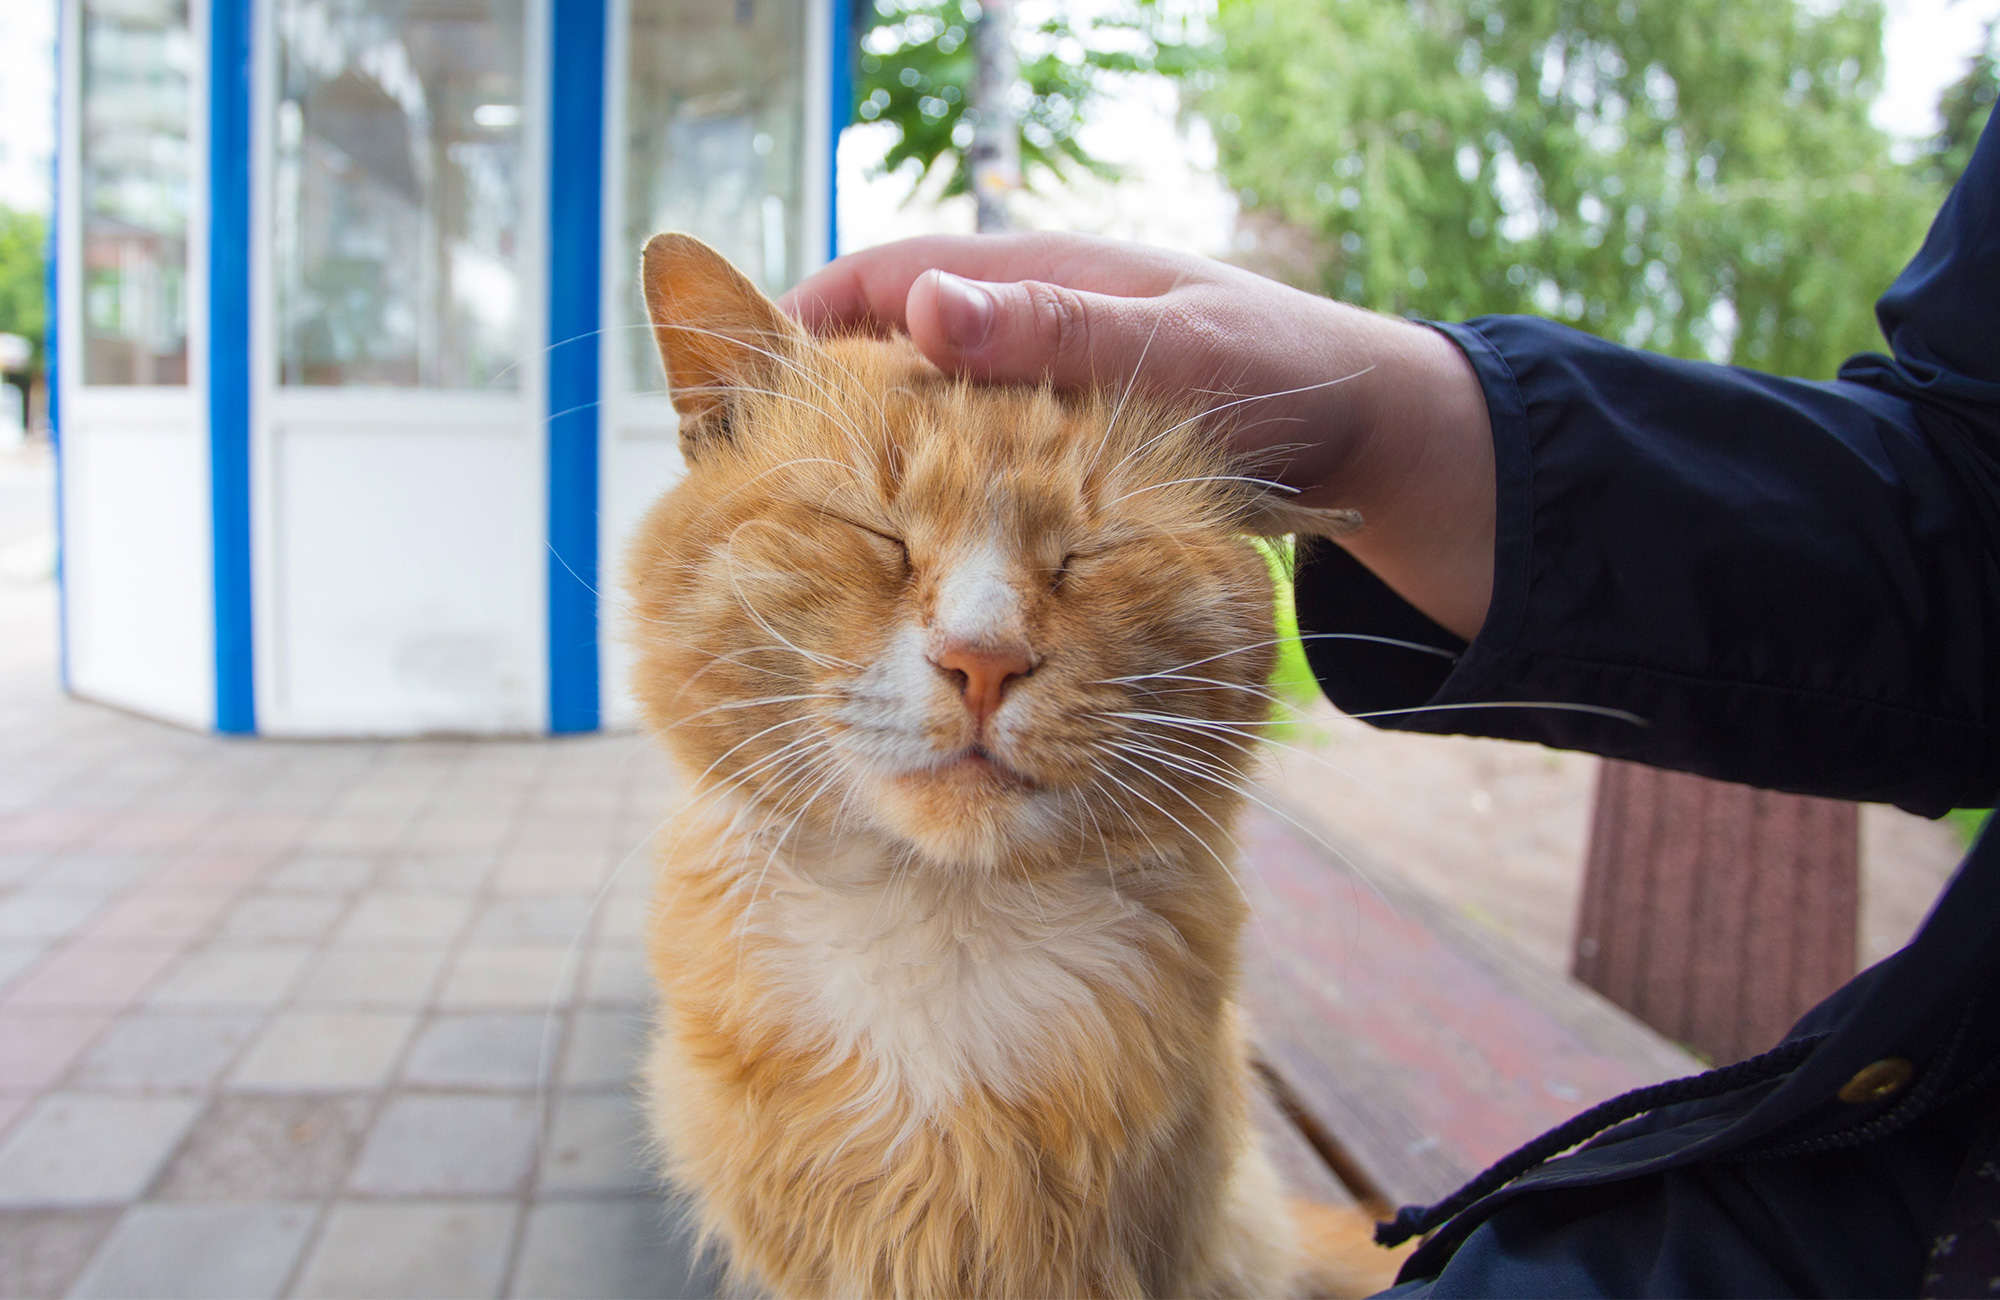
(1798, 585)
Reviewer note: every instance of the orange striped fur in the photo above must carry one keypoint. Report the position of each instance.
(949, 997)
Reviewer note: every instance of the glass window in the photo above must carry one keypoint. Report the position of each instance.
(137, 59)
(714, 141)
(397, 201)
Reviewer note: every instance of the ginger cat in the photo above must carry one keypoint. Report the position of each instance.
(960, 683)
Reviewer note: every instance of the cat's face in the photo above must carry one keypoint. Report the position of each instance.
(992, 624)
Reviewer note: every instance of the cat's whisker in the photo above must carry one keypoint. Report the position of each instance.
(1280, 640)
(724, 757)
(1219, 860)
(1230, 405)
(1242, 787)
(1206, 478)
(824, 661)
(1560, 706)
(1131, 382)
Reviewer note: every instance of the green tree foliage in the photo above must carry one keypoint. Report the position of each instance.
(916, 72)
(23, 238)
(1700, 177)
(1965, 106)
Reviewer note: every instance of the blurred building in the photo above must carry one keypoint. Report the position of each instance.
(354, 402)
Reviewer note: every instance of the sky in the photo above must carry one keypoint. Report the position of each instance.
(1170, 197)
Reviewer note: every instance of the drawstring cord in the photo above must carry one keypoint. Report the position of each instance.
(1416, 1220)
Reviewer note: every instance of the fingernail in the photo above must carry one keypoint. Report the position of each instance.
(965, 312)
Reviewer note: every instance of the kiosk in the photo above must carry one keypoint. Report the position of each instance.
(354, 399)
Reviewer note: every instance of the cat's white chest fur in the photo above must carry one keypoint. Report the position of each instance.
(943, 983)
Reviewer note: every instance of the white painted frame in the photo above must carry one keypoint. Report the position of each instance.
(137, 525)
(411, 426)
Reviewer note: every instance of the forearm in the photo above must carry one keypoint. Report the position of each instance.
(1420, 469)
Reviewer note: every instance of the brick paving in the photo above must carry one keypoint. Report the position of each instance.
(319, 1019)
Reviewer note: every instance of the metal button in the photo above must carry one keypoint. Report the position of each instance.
(1877, 1082)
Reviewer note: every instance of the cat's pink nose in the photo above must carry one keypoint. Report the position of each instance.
(986, 672)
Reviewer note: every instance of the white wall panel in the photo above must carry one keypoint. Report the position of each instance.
(138, 576)
(407, 593)
(640, 464)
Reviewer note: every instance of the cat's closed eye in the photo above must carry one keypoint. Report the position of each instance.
(893, 548)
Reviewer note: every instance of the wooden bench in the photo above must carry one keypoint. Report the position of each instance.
(1403, 1049)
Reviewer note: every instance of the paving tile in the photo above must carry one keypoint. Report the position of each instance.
(38, 913)
(459, 832)
(201, 1252)
(617, 975)
(342, 832)
(47, 829)
(263, 828)
(405, 918)
(462, 1144)
(226, 869)
(255, 1147)
(371, 977)
(622, 919)
(510, 977)
(550, 873)
(633, 1248)
(42, 1251)
(38, 1048)
(282, 916)
(321, 874)
(596, 1143)
(234, 976)
(162, 912)
(17, 957)
(457, 874)
(13, 1105)
(18, 866)
(165, 1050)
(325, 1051)
(427, 1248)
(605, 1048)
(82, 1149)
(148, 828)
(94, 972)
(100, 869)
(484, 1051)
(560, 921)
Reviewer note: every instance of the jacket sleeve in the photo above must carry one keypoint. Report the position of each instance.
(1789, 584)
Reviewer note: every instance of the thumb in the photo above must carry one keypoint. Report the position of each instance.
(1026, 331)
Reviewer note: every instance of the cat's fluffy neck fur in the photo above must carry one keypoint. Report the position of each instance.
(944, 976)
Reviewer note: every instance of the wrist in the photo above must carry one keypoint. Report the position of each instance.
(1419, 466)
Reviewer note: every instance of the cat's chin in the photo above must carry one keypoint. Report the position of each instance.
(973, 810)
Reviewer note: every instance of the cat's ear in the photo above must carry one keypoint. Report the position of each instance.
(1269, 513)
(717, 332)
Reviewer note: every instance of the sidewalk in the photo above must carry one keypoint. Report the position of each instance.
(318, 1019)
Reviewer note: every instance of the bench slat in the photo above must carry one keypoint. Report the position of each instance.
(1420, 1047)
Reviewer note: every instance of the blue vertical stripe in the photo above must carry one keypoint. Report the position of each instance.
(229, 107)
(51, 349)
(838, 113)
(576, 276)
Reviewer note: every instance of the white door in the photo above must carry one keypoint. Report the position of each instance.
(398, 453)
(137, 570)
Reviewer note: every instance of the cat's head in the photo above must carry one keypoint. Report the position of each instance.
(992, 624)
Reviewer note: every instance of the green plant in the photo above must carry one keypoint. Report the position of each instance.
(916, 72)
(23, 241)
(1700, 178)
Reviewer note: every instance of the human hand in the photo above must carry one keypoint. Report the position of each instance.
(1354, 409)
